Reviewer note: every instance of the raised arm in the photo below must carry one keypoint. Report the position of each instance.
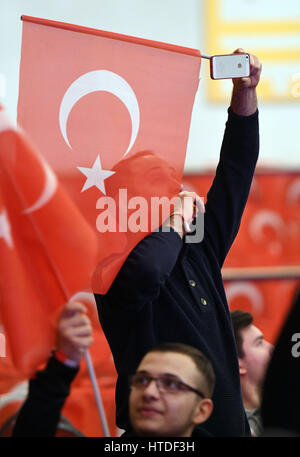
(48, 391)
(229, 192)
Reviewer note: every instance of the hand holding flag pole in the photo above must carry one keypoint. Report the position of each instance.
(74, 336)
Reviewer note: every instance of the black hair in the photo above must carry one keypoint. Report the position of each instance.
(240, 320)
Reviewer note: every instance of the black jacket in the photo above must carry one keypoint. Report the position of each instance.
(168, 290)
(280, 406)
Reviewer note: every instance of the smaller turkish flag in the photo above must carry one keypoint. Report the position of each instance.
(47, 249)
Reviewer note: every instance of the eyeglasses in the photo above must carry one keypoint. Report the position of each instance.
(165, 383)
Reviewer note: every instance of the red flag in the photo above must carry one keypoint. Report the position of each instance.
(47, 249)
(111, 114)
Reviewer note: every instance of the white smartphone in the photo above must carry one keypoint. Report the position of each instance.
(229, 66)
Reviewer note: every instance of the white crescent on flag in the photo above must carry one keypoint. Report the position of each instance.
(50, 187)
(48, 191)
(248, 290)
(100, 80)
(263, 219)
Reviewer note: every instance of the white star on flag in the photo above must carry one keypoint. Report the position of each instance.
(95, 176)
(5, 229)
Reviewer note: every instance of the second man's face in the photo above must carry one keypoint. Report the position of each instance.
(257, 352)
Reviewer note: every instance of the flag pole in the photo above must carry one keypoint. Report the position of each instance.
(99, 402)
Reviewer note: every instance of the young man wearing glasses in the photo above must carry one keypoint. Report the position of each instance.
(171, 391)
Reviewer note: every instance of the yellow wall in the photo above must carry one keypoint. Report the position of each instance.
(275, 40)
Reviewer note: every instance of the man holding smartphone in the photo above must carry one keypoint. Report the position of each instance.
(172, 291)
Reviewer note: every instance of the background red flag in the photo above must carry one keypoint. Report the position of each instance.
(47, 249)
(108, 112)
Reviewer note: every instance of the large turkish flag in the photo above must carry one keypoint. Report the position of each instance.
(111, 114)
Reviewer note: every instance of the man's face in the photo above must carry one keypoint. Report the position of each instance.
(153, 413)
(257, 354)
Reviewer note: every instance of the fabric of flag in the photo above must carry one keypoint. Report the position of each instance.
(111, 115)
(47, 249)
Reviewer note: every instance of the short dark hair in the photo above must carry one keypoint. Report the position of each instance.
(202, 363)
(240, 320)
